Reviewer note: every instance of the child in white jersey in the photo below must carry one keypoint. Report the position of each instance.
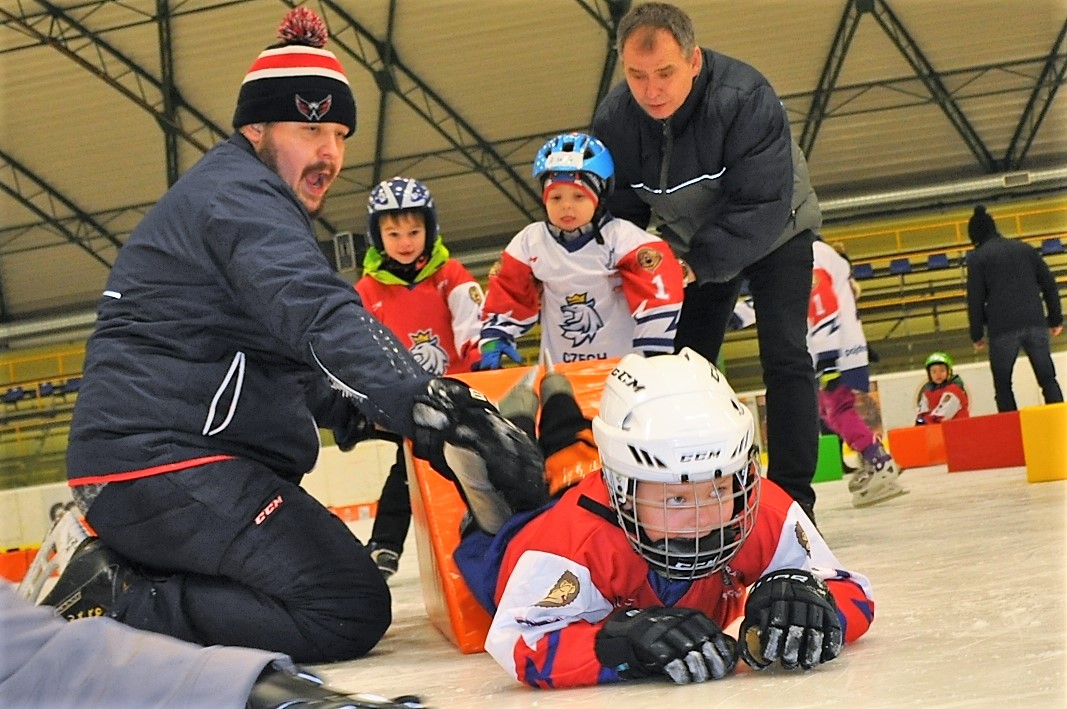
(601, 287)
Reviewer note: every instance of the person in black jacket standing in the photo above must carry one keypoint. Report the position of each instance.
(703, 154)
(1006, 283)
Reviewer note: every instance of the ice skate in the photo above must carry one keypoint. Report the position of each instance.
(520, 404)
(870, 486)
(277, 690)
(387, 560)
(62, 540)
(88, 587)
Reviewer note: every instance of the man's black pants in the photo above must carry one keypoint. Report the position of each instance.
(780, 284)
(236, 555)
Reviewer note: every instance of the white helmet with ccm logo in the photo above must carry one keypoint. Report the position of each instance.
(675, 420)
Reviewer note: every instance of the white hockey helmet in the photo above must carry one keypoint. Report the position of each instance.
(675, 420)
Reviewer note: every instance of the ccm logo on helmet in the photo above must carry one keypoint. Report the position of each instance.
(698, 456)
(266, 511)
(627, 379)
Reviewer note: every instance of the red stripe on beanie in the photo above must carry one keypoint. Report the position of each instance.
(296, 63)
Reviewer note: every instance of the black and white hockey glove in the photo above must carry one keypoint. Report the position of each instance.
(682, 643)
(791, 617)
(497, 468)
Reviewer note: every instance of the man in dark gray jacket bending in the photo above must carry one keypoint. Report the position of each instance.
(703, 154)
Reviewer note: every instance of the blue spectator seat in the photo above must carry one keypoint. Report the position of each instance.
(861, 271)
(71, 386)
(899, 266)
(936, 261)
(1052, 246)
(16, 394)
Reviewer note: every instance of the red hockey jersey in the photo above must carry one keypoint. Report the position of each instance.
(438, 318)
(568, 569)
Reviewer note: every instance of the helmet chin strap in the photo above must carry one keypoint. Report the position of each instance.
(681, 548)
(574, 240)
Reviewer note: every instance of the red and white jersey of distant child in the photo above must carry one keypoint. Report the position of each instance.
(833, 322)
(595, 302)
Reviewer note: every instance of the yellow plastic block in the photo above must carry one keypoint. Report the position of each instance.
(1044, 431)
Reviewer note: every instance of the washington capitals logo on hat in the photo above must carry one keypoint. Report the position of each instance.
(314, 110)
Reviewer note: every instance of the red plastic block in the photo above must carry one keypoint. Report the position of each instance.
(982, 442)
(917, 446)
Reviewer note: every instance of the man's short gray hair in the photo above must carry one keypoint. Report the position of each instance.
(654, 16)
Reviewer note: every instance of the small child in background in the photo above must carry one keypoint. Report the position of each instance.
(431, 303)
(942, 397)
(601, 287)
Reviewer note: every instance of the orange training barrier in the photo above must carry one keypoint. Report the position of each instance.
(437, 510)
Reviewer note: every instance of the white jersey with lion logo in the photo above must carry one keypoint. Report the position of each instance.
(594, 301)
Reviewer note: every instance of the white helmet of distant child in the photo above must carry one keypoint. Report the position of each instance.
(678, 456)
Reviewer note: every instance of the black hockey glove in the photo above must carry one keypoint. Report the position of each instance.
(790, 616)
(496, 467)
(682, 643)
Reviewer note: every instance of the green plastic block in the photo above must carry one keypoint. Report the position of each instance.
(829, 466)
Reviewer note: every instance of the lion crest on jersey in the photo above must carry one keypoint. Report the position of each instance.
(427, 351)
(802, 539)
(562, 593)
(581, 321)
(648, 258)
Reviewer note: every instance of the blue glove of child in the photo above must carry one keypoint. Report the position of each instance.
(493, 350)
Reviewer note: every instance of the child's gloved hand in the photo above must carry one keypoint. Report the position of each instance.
(494, 350)
(682, 643)
(790, 617)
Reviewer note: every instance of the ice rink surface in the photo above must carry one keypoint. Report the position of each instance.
(969, 579)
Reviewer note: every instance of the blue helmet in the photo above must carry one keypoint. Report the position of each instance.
(581, 155)
(400, 194)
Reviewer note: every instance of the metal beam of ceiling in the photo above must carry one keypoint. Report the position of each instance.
(1048, 83)
(383, 78)
(835, 59)
(610, 23)
(898, 34)
(39, 197)
(169, 91)
(422, 99)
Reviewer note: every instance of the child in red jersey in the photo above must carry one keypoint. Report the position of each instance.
(942, 397)
(635, 570)
(434, 307)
